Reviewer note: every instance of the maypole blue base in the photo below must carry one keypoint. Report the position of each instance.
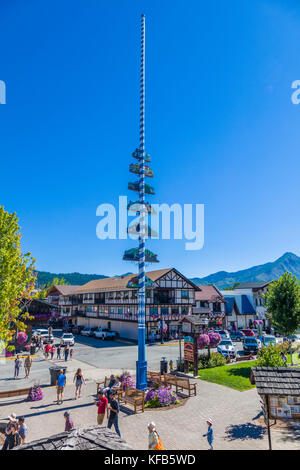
(141, 375)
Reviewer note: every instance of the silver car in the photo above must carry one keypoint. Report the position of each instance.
(226, 348)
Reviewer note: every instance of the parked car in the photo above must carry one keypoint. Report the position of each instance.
(250, 345)
(226, 348)
(104, 333)
(44, 334)
(247, 332)
(269, 340)
(87, 331)
(223, 333)
(294, 337)
(67, 338)
(237, 336)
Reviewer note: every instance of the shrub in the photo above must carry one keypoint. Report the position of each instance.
(270, 356)
(216, 360)
(162, 396)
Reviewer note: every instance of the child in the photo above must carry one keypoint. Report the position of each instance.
(69, 425)
(209, 434)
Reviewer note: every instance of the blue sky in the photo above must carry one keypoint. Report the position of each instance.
(221, 127)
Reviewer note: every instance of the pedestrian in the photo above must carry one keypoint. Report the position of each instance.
(71, 354)
(60, 385)
(27, 365)
(14, 439)
(117, 384)
(102, 406)
(67, 349)
(8, 430)
(114, 408)
(79, 380)
(154, 441)
(69, 425)
(52, 351)
(47, 350)
(18, 364)
(23, 430)
(58, 350)
(111, 383)
(209, 434)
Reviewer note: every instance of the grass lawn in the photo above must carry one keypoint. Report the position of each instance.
(235, 376)
(296, 359)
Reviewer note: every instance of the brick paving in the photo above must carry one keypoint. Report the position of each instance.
(233, 413)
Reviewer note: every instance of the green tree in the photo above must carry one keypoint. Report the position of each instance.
(42, 293)
(17, 278)
(282, 301)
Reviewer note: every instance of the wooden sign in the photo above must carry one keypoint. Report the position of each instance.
(189, 349)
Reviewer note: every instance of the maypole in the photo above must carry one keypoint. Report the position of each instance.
(141, 364)
(141, 229)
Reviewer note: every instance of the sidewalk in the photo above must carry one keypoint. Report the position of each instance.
(235, 418)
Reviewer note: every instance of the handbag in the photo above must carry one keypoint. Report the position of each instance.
(159, 446)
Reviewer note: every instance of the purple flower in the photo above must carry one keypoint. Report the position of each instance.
(214, 339)
(203, 341)
(21, 338)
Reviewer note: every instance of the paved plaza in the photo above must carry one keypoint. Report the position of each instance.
(235, 416)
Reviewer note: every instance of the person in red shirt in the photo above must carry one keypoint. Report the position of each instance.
(102, 406)
(47, 350)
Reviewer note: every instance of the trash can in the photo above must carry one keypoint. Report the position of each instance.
(163, 366)
(32, 350)
(54, 373)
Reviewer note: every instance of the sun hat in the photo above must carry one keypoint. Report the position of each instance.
(151, 425)
(12, 417)
(209, 421)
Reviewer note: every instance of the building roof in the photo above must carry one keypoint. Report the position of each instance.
(242, 302)
(63, 289)
(89, 438)
(277, 380)
(252, 285)
(230, 301)
(120, 283)
(209, 293)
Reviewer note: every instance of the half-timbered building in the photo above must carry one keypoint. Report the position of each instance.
(112, 303)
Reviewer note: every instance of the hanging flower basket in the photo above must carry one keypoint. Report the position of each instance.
(21, 338)
(214, 339)
(203, 341)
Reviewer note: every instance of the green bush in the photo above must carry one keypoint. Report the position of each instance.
(283, 347)
(270, 356)
(216, 360)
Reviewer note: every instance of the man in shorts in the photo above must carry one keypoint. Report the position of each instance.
(102, 406)
(60, 385)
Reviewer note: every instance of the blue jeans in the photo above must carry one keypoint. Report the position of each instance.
(114, 421)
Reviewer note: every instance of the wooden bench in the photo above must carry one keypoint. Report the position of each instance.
(243, 358)
(154, 377)
(135, 397)
(104, 383)
(14, 393)
(180, 383)
(185, 384)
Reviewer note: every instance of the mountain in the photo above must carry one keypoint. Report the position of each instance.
(264, 272)
(222, 279)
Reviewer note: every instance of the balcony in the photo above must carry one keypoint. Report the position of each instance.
(201, 310)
